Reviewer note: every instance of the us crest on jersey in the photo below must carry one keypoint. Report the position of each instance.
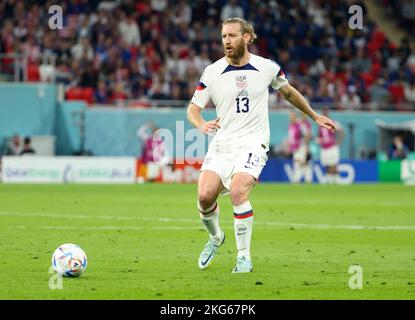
(241, 82)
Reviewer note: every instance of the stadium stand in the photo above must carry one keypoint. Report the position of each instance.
(404, 10)
(110, 51)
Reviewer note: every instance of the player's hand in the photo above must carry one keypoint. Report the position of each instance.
(210, 127)
(325, 122)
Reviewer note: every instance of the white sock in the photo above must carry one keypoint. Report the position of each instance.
(329, 178)
(336, 178)
(333, 178)
(297, 172)
(243, 219)
(308, 173)
(210, 219)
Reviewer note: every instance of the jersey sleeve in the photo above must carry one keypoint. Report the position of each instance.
(278, 79)
(202, 93)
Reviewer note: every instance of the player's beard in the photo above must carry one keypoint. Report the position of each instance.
(238, 51)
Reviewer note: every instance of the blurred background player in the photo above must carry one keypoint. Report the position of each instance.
(299, 135)
(294, 146)
(306, 136)
(329, 142)
(154, 154)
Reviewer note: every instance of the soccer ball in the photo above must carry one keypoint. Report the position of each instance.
(69, 260)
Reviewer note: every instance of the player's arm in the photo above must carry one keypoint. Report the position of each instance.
(295, 98)
(194, 115)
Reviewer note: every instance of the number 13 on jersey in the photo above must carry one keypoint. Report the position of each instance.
(242, 105)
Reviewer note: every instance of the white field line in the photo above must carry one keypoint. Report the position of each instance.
(344, 202)
(267, 224)
(93, 217)
(101, 228)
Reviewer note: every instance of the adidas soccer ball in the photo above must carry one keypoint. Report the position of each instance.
(69, 260)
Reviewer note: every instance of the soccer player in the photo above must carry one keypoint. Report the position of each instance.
(297, 146)
(329, 150)
(306, 136)
(237, 85)
(154, 154)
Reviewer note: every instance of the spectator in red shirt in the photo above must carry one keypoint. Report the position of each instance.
(396, 90)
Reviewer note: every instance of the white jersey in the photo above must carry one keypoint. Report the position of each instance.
(240, 95)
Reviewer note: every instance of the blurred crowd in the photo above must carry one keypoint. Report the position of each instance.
(17, 146)
(404, 10)
(157, 49)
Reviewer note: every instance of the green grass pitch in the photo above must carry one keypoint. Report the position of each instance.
(143, 242)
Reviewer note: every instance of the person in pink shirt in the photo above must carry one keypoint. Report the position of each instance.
(329, 142)
(295, 146)
(294, 134)
(306, 136)
(153, 155)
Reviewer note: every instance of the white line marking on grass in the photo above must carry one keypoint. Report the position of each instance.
(343, 202)
(333, 226)
(98, 228)
(267, 224)
(93, 217)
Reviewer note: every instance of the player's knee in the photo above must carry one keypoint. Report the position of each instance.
(206, 198)
(238, 195)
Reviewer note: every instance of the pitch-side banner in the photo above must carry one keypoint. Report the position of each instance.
(350, 171)
(30, 169)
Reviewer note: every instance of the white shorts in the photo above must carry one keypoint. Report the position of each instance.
(330, 156)
(226, 163)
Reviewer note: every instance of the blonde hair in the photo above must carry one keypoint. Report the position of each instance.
(246, 27)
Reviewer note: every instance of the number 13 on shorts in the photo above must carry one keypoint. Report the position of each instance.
(253, 160)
